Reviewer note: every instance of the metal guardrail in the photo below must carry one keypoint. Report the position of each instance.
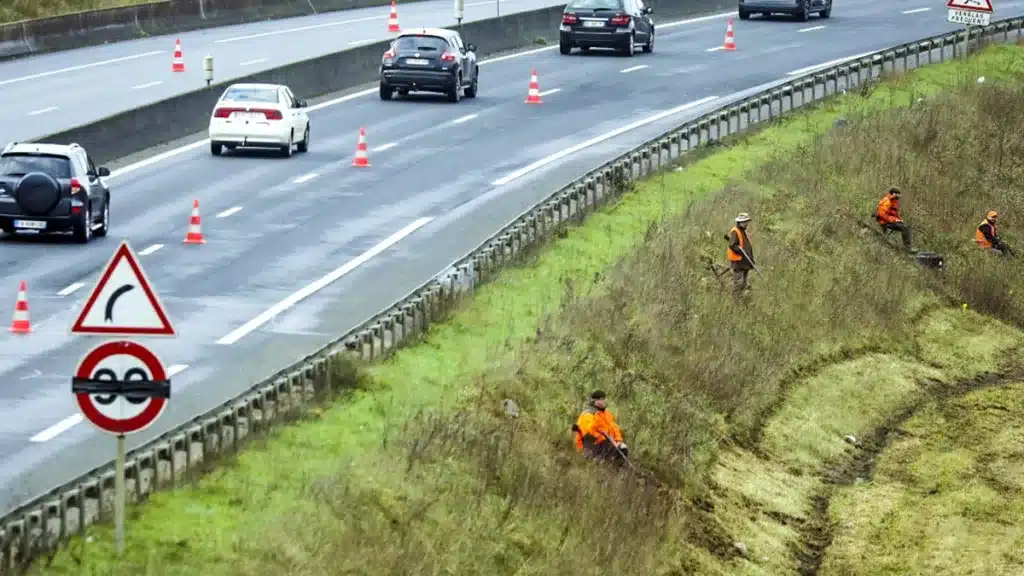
(38, 528)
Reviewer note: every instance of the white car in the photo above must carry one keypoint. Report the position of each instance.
(259, 115)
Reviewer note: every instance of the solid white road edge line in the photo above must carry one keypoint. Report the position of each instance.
(206, 141)
(300, 29)
(76, 419)
(231, 210)
(597, 140)
(79, 67)
(807, 69)
(310, 289)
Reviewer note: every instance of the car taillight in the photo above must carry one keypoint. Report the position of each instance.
(389, 55)
(271, 114)
(224, 112)
(76, 186)
(448, 57)
(621, 20)
(569, 19)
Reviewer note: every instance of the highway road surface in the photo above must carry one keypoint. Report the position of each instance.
(271, 285)
(45, 94)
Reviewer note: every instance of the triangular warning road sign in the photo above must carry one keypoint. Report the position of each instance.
(971, 5)
(123, 303)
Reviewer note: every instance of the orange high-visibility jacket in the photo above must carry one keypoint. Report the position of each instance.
(737, 236)
(888, 211)
(593, 424)
(982, 239)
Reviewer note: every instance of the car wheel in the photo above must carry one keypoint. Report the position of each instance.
(286, 150)
(385, 92)
(649, 47)
(102, 230)
(565, 48)
(630, 49)
(827, 11)
(471, 90)
(804, 15)
(83, 230)
(215, 148)
(304, 145)
(455, 93)
(744, 15)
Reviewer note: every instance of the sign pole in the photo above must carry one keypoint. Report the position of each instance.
(119, 496)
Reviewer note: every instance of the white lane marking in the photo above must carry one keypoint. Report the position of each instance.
(79, 67)
(307, 291)
(812, 28)
(633, 69)
(42, 111)
(71, 289)
(229, 212)
(806, 69)
(306, 177)
(58, 428)
(150, 250)
(597, 140)
(466, 118)
(299, 29)
(716, 49)
(915, 10)
(552, 91)
(361, 42)
(384, 147)
(76, 419)
(147, 85)
(341, 99)
(251, 62)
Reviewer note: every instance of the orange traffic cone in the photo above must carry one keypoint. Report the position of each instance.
(195, 233)
(534, 96)
(730, 40)
(393, 19)
(179, 60)
(362, 159)
(21, 324)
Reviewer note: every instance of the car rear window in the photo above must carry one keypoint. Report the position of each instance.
(21, 164)
(421, 44)
(268, 95)
(595, 4)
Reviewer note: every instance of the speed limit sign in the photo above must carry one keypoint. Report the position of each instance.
(121, 387)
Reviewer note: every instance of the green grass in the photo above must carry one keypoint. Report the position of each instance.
(947, 496)
(18, 10)
(743, 406)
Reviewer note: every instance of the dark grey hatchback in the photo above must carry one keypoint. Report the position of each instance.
(619, 24)
(429, 60)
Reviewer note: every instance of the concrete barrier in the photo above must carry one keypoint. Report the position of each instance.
(168, 17)
(38, 527)
(129, 132)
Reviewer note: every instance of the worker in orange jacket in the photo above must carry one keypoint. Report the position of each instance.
(888, 215)
(986, 238)
(740, 254)
(596, 434)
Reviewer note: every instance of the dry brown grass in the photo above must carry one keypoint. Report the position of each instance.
(18, 10)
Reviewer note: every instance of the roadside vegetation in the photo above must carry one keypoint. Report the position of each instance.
(18, 10)
(763, 421)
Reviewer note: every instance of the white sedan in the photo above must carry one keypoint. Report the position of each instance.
(259, 115)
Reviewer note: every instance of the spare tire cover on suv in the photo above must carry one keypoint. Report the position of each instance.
(37, 193)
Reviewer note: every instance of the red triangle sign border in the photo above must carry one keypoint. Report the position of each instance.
(123, 252)
(960, 5)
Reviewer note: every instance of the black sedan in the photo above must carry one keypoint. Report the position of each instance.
(619, 24)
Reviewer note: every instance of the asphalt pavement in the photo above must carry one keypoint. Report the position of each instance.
(48, 93)
(268, 287)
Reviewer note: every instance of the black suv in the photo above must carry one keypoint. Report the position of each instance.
(52, 188)
(429, 60)
(621, 24)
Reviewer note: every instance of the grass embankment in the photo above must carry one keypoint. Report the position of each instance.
(18, 10)
(741, 410)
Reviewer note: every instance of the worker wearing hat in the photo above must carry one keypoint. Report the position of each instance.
(986, 238)
(595, 432)
(740, 254)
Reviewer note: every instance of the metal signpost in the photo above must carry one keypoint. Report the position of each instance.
(121, 386)
(969, 13)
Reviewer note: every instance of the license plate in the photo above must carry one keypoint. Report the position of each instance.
(592, 24)
(416, 61)
(248, 116)
(30, 224)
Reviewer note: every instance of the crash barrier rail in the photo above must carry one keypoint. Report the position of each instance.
(92, 27)
(38, 528)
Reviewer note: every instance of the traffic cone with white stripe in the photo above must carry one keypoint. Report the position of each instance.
(534, 96)
(195, 232)
(730, 40)
(393, 19)
(362, 158)
(179, 59)
(21, 323)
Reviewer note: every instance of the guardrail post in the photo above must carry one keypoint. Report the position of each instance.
(268, 406)
(244, 423)
(365, 346)
(386, 334)
(227, 421)
(211, 436)
(131, 481)
(106, 495)
(194, 438)
(285, 397)
(73, 503)
(147, 472)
